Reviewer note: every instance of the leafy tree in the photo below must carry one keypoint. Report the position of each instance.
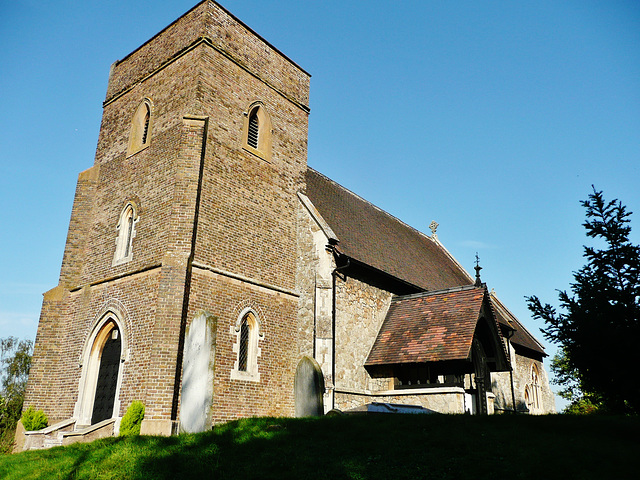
(599, 326)
(15, 361)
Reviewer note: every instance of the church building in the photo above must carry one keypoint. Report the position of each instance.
(211, 274)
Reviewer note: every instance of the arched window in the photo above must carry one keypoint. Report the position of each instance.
(140, 135)
(126, 232)
(243, 349)
(246, 347)
(535, 390)
(252, 136)
(257, 131)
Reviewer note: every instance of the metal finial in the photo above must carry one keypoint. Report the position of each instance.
(477, 268)
(433, 226)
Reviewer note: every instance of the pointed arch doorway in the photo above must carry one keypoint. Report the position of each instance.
(100, 382)
(107, 381)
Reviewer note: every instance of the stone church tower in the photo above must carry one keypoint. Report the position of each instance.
(189, 212)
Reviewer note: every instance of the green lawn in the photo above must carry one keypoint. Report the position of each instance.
(362, 447)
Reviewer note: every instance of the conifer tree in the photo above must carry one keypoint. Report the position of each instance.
(598, 328)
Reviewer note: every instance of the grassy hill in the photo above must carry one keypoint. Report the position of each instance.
(363, 447)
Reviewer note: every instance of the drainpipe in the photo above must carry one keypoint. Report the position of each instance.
(334, 274)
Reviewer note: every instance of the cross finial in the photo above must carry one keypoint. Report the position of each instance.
(433, 226)
(477, 268)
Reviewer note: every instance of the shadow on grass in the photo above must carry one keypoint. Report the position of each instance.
(372, 447)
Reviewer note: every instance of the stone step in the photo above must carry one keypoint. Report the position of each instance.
(50, 442)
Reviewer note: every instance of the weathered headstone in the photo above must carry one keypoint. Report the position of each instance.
(308, 388)
(197, 374)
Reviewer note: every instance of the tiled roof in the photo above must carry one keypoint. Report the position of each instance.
(378, 239)
(522, 336)
(428, 327)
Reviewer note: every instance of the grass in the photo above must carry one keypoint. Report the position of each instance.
(348, 447)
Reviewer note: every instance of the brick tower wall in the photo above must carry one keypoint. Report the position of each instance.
(199, 89)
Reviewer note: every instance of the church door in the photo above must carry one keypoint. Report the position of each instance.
(107, 378)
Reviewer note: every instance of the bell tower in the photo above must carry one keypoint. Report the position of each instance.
(188, 210)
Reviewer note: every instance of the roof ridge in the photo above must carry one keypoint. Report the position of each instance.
(461, 288)
(373, 205)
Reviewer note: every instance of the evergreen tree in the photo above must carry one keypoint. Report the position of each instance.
(599, 326)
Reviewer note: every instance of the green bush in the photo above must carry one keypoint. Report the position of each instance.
(132, 420)
(583, 406)
(34, 419)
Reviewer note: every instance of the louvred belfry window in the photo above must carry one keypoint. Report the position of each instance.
(252, 138)
(141, 127)
(146, 126)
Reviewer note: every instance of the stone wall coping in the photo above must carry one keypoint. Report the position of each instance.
(90, 428)
(51, 428)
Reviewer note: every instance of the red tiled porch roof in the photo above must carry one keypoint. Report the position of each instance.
(428, 328)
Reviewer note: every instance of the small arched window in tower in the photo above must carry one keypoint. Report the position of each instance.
(125, 234)
(140, 134)
(147, 118)
(252, 138)
(246, 347)
(257, 131)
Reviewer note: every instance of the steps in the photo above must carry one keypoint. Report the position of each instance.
(66, 433)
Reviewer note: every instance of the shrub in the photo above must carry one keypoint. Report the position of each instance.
(132, 420)
(34, 419)
(583, 406)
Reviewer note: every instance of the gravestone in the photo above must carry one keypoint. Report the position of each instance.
(197, 374)
(308, 388)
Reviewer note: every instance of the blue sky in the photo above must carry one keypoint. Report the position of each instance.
(491, 117)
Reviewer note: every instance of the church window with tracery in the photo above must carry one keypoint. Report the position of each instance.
(532, 391)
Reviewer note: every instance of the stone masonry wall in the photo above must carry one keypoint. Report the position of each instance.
(501, 385)
(315, 285)
(361, 309)
(306, 281)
